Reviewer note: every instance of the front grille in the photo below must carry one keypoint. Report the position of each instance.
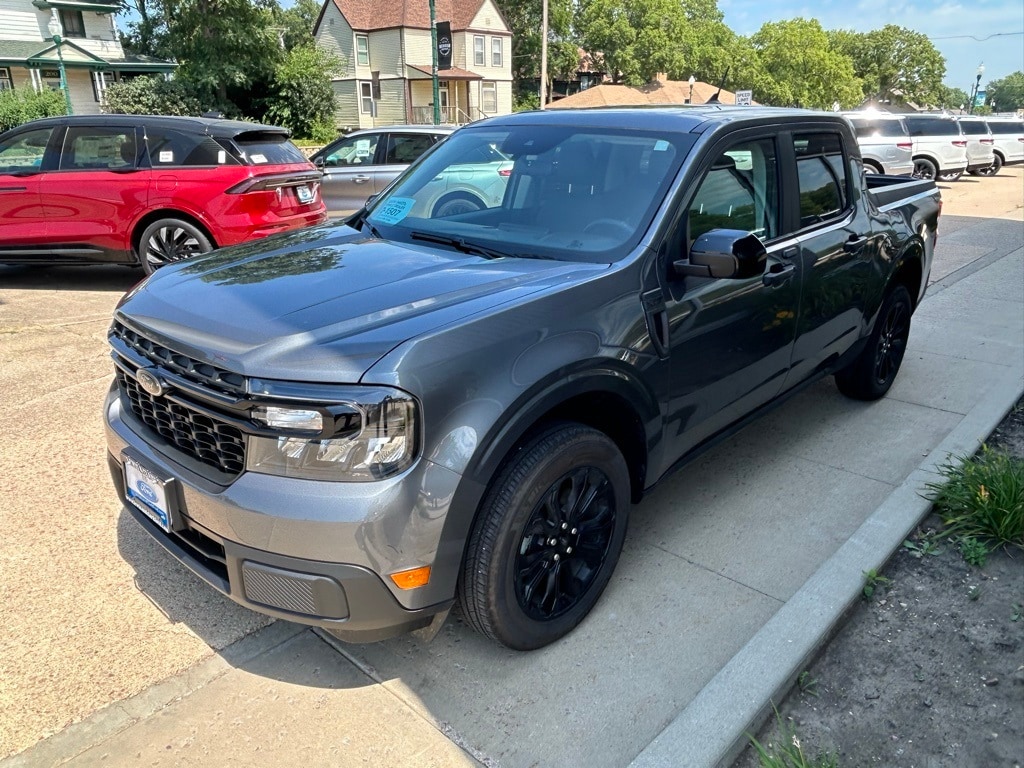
(207, 439)
(207, 375)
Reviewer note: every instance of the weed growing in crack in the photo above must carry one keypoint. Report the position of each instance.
(807, 684)
(788, 752)
(872, 580)
(974, 551)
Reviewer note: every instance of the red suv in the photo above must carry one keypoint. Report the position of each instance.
(132, 189)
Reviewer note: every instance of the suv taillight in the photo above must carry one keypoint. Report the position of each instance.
(988, 141)
(959, 143)
(905, 144)
(274, 181)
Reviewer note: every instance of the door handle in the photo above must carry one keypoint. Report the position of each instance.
(360, 179)
(855, 244)
(778, 274)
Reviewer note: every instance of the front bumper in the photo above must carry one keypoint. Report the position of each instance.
(309, 552)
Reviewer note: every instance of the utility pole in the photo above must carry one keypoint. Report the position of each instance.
(544, 54)
(433, 62)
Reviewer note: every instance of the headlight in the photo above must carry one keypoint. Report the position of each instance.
(374, 437)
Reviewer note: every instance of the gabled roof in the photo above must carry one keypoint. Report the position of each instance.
(43, 53)
(662, 92)
(368, 15)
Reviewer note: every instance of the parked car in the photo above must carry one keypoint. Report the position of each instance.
(361, 164)
(980, 154)
(939, 146)
(884, 141)
(356, 426)
(130, 189)
(1007, 147)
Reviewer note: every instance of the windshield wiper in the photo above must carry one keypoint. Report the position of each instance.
(461, 244)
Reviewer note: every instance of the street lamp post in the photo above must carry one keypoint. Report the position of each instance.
(55, 30)
(977, 87)
(692, 80)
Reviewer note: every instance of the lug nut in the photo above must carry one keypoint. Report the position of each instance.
(557, 558)
(564, 526)
(568, 550)
(552, 542)
(574, 531)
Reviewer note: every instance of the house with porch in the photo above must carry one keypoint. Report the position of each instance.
(89, 46)
(385, 49)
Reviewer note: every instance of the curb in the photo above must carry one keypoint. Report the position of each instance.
(712, 729)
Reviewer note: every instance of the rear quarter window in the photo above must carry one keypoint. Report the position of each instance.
(268, 149)
(170, 148)
(882, 127)
(1006, 128)
(932, 126)
(973, 128)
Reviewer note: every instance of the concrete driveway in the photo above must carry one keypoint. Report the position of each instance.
(104, 630)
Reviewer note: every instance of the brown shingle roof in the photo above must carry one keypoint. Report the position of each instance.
(662, 92)
(366, 15)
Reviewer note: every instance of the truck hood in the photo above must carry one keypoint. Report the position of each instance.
(324, 304)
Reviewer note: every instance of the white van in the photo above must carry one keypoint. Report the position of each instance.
(1008, 144)
(940, 148)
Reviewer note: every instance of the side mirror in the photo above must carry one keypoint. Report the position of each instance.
(319, 162)
(724, 253)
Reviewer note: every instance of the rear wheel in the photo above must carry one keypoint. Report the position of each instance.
(992, 170)
(925, 168)
(169, 240)
(870, 375)
(547, 538)
(872, 167)
(950, 176)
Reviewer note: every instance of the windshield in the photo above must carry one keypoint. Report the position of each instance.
(560, 192)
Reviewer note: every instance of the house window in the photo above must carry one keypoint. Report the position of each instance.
(489, 96)
(73, 23)
(495, 51)
(6, 83)
(478, 51)
(366, 98)
(362, 50)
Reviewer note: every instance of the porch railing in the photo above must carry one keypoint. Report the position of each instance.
(449, 116)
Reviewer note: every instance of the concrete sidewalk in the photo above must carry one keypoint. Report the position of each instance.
(734, 571)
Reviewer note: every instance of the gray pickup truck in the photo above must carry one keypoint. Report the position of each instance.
(358, 425)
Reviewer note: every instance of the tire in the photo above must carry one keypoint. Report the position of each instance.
(169, 240)
(870, 166)
(870, 375)
(536, 563)
(925, 169)
(950, 176)
(455, 203)
(992, 170)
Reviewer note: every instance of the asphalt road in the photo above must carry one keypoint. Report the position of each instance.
(94, 612)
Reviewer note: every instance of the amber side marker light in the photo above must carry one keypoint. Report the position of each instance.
(417, 577)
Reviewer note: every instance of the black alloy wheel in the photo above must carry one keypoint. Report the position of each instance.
(870, 375)
(565, 543)
(925, 169)
(168, 240)
(547, 537)
(992, 170)
(892, 343)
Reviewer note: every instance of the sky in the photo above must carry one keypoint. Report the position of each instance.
(975, 32)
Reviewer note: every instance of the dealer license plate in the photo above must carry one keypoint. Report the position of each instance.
(305, 194)
(147, 492)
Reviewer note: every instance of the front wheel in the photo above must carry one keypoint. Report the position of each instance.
(168, 240)
(547, 538)
(870, 375)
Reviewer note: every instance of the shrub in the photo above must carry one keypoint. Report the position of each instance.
(982, 497)
(20, 105)
(152, 96)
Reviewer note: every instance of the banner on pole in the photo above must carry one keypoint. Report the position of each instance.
(444, 45)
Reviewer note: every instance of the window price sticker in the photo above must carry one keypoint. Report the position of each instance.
(394, 210)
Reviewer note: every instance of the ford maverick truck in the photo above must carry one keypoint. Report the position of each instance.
(359, 424)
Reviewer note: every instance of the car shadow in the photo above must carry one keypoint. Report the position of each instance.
(113, 277)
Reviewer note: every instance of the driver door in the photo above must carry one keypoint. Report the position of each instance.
(730, 340)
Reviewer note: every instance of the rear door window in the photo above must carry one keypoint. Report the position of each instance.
(821, 170)
(170, 148)
(99, 148)
(404, 148)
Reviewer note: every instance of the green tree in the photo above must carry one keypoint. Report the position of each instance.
(524, 20)
(1007, 93)
(797, 55)
(294, 25)
(302, 95)
(894, 63)
(634, 40)
(952, 98)
(152, 96)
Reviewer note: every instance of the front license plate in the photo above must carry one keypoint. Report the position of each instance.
(305, 194)
(148, 492)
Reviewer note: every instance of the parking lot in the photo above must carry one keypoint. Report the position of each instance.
(96, 613)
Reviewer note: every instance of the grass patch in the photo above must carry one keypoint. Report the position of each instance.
(872, 581)
(982, 498)
(788, 752)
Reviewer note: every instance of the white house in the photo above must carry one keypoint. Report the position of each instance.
(387, 44)
(92, 53)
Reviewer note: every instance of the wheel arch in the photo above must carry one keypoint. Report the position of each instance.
(908, 270)
(166, 213)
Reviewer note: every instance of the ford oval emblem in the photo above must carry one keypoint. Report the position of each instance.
(146, 491)
(149, 381)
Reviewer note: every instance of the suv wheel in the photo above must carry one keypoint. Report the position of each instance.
(872, 372)
(925, 168)
(950, 176)
(455, 203)
(547, 538)
(992, 170)
(168, 240)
